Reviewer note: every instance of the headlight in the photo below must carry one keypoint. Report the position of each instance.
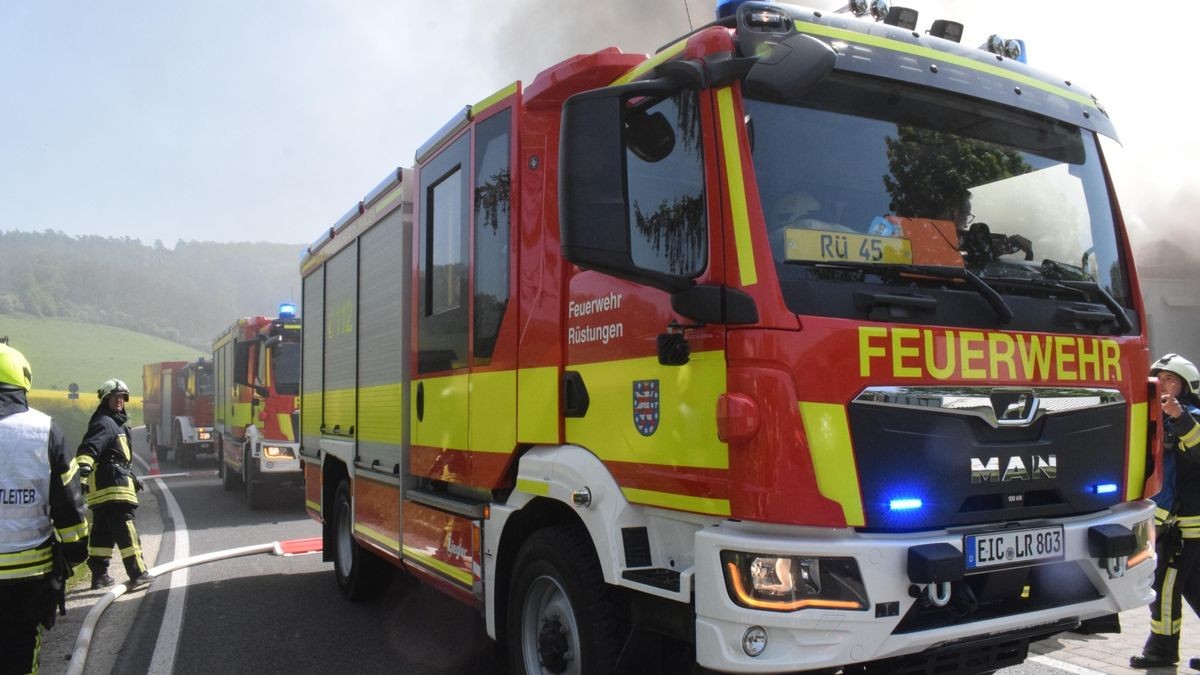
(204, 435)
(789, 583)
(277, 452)
(1145, 535)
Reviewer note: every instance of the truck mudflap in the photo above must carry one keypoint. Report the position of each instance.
(858, 598)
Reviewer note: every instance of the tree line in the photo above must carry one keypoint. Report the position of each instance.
(187, 294)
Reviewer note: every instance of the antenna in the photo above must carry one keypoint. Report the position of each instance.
(689, 15)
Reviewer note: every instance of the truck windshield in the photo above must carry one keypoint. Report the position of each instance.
(285, 364)
(204, 382)
(870, 182)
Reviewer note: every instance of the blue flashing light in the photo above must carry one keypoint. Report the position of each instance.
(726, 8)
(910, 504)
(1105, 488)
(287, 310)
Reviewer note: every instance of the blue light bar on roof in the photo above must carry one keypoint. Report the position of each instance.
(287, 310)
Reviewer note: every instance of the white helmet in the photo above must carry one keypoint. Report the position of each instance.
(113, 386)
(1186, 370)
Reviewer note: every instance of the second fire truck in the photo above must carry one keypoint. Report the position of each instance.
(257, 381)
(177, 399)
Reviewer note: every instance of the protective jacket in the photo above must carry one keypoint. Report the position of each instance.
(1180, 496)
(39, 493)
(106, 455)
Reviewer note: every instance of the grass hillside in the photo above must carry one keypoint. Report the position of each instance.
(72, 415)
(61, 352)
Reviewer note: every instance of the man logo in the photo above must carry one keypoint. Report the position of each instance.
(1016, 469)
(1014, 408)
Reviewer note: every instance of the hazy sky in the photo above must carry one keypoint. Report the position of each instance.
(265, 120)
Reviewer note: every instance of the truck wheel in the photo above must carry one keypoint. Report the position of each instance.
(228, 480)
(359, 573)
(256, 493)
(183, 454)
(562, 617)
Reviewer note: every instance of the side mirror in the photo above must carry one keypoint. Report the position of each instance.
(598, 127)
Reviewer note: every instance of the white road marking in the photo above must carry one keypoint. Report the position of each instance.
(1063, 665)
(167, 644)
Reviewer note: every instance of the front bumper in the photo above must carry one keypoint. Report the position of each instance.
(894, 623)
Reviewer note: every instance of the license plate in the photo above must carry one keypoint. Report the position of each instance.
(822, 245)
(1013, 547)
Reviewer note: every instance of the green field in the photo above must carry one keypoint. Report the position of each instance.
(61, 352)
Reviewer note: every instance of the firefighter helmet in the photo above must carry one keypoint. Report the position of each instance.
(1186, 370)
(113, 386)
(14, 369)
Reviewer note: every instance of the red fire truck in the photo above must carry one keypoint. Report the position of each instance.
(178, 408)
(257, 381)
(808, 342)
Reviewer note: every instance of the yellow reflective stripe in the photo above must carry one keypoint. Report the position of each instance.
(540, 488)
(1192, 437)
(74, 533)
(482, 106)
(380, 414)
(668, 500)
(85, 460)
(241, 414)
(69, 474)
(732, 151)
(123, 441)
(110, 494)
(315, 506)
(1135, 477)
(1166, 607)
(537, 399)
(1160, 515)
(492, 412)
(445, 410)
(828, 434)
(377, 536)
(425, 560)
(38, 570)
(310, 413)
(686, 435)
(26, 557)
(339, 409)
(651, 63)
(285, 426)
(99, 552)
(929, 53)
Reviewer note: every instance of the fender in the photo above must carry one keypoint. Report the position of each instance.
(187, 430)
(557, 472)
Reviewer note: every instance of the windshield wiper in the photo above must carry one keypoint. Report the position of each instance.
(1109, 301)
(1003, 312)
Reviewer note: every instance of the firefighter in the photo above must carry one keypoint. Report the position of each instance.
(1177, 517)
(43, 523)
(106, 461)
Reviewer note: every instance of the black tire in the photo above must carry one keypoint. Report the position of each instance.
(229, 481)
(256, 492)
(184, 455)
(562, 617)
(358, 572)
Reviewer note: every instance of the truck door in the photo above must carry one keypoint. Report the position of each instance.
(440, 381)
(464, 395)
(650, 408)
